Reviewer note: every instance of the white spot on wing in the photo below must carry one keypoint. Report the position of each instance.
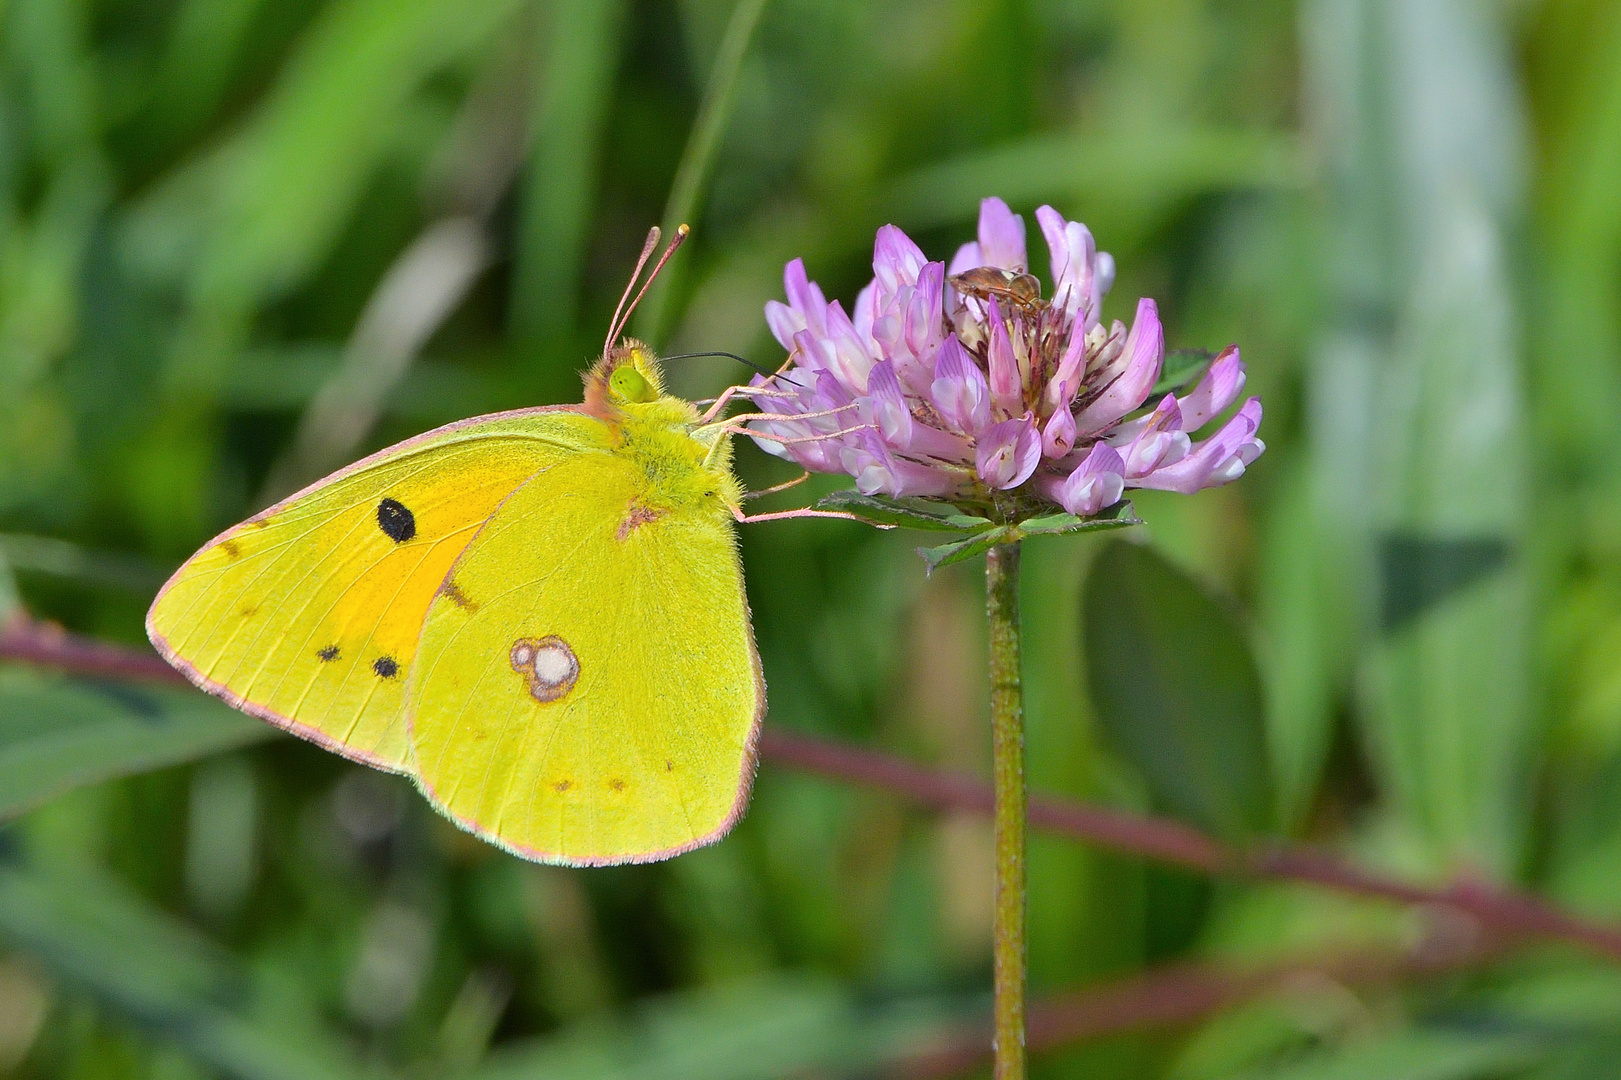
(548, 665)
(553, 665)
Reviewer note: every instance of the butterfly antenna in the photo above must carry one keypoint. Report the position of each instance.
(745, 361)
(750, 364)
(615, 324)
(681, 233)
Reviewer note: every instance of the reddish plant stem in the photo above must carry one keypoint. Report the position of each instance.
(1155, 838)
(1503, 911)
(50, 646)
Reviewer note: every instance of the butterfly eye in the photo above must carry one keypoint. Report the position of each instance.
(631, 385)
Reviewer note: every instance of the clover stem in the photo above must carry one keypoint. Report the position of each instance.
(1007, 767)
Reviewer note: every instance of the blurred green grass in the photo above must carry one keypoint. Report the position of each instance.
(1405, 213)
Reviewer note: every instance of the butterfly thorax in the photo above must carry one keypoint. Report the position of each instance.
(686, 467)
(682, 471)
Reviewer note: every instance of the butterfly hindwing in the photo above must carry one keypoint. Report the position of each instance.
(308, 614)
(590, 693)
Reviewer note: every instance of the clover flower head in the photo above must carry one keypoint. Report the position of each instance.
(965, 383)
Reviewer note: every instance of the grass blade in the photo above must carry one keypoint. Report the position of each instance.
(785, 1025)
(697, 158)
(57, 734)
(167, 979)
(1449, 713)
(1079, 169)
(561, 179)
(248, 221)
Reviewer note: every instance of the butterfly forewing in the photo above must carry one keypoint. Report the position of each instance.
(308, 615)
(590, 691)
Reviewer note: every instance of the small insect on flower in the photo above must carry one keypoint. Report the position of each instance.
(975, 389)
(1019, 290)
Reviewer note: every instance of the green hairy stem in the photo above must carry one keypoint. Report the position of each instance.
(1007, 767)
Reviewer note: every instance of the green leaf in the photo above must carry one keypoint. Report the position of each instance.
(1420, 572)
(909, 513)
(1181, 367)
(1161, 167)
(1418, 1055)
(758, 1029)
(49, 555)
(1309, 609)
(285, 378)
(1118, 516)
(1597, 1057)
(959, 550)
(9, 601)
(1176, 690)
(57, 734)
(92, 932)
(1577, 348)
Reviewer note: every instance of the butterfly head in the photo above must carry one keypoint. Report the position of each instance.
(624, 380)
(631, 386)
(627, 376)
(688, 465)
(633, 375)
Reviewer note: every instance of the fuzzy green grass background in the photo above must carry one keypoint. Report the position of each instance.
(243, 241)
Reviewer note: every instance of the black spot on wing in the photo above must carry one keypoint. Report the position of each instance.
(329, 653)
(386, 667)
(397, 523)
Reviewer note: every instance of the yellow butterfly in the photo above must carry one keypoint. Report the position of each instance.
(538, 615)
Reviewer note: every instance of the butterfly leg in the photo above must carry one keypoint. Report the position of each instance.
(781, 440)
(795, 482)
(743, 418)
(753, 391)
(803, 512)
(720, 403)
(731, 392)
